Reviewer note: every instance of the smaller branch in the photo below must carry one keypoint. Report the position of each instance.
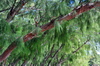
(15, 10)
(61, 61)
(56, 53)
(80, 47)
(48, 56)
(5, 9)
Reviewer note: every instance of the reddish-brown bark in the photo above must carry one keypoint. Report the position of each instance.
(29, 36)
(7, 52)
(74, 13)
(10, 16)
(78, 10)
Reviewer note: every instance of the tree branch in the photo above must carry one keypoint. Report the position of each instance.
(15, 10)
(80, 47)
(10, 16)
(61, 61)
(77, 11)
(48, 56)
(56, 53)
(5, 9)
(7, 52)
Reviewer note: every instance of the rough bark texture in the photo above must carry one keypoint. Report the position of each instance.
(78, 10)
(7, 52)
(10, 17)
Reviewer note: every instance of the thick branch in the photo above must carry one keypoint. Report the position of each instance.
(78, 10)
(7, 52)
(10, 16)
(74, 13)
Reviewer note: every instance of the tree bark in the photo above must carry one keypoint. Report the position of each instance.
(15, 10)
(7, 52)
(10, 17)
(75, 12)
(78, 10)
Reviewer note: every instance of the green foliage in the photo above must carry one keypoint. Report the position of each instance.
(45, 47)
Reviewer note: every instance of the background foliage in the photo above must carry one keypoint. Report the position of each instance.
(55, 46)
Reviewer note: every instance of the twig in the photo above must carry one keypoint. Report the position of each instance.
(48, 56)
(80, 47)
(55, 54)
(5, 9)
(61, 61)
